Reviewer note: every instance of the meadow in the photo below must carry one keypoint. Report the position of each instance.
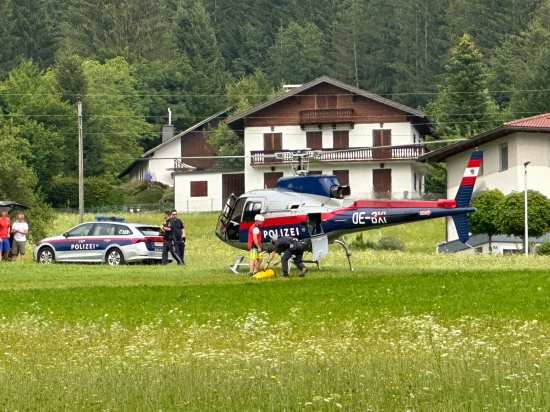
(407, 331)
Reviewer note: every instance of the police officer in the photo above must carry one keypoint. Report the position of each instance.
(168, 235)
(289, 247)
(179, 236)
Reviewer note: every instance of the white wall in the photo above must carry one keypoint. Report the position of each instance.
(182, 192)
(293, 137)
(522, 147)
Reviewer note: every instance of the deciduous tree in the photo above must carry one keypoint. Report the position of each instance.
(484, 219)
(510, 217)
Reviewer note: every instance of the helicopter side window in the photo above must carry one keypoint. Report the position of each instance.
(251, 210)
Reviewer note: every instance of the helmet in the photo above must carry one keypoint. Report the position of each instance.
(259, 218)
(274, 237)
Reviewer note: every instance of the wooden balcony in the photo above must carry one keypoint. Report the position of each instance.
(354, 154)
(326, 116)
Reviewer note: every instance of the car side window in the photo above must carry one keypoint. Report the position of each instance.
(82, 230)
(103, 229)
(122, 230)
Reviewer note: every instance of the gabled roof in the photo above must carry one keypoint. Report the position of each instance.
(326, 79)
(151, 152)
(535, 124)
(540, 121)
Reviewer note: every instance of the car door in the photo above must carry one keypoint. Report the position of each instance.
(75, 244)
(101, 236)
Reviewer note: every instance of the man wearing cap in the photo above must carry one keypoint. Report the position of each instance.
(289, 247)
(255, 244)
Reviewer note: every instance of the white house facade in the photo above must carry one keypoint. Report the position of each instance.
(368, 142)
(506, 150)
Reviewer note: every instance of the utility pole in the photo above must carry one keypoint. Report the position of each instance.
(80, 165)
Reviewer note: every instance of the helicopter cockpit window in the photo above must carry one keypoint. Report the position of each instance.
(251, 210)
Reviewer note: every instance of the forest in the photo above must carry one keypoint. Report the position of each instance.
(470, 65)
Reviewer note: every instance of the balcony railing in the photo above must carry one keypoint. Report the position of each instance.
(355, 154)
(326, 116)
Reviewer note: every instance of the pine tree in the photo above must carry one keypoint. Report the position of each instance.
(298, 55)
(195, 37)
(463, 106)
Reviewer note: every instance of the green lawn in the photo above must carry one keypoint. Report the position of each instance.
(407, 331)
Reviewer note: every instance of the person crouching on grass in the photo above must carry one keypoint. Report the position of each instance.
(20, 228)
(288, 247)
(255, 244)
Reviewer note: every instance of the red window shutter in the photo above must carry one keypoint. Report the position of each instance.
(199, 188)
(273, 142)
(342, 176)
(340, 139)
(314, 140)
(270, 179)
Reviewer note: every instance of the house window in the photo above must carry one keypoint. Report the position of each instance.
(315, 172)
(314, 140)
(503, 157)
(381, 140)
(326, 101)
(199, 188)
(340, 139)
(414, 181)
(270, 179)
(273, 142)
(342, 176)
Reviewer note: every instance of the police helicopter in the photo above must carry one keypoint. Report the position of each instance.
(317, 210)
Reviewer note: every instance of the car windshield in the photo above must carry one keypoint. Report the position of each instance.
(149, 230)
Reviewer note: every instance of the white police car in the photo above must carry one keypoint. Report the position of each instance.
(107, 240)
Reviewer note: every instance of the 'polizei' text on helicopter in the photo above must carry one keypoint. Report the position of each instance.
(316, 209)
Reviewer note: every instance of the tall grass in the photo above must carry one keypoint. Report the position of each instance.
(409, 331)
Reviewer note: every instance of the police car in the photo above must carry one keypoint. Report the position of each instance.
(107, 239)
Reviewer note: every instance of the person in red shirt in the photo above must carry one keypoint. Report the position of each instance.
(255, 244)
(4, 234)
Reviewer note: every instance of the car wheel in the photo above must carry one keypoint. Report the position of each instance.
(114, 257)
(46, 256)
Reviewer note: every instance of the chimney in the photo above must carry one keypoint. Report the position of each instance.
(168, 131)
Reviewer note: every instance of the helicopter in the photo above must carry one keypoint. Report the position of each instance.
(317, 210)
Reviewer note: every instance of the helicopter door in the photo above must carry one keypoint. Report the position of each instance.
(319, 240)
(313, 223)
(221, 227)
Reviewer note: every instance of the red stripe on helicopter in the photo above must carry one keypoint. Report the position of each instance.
(468, 181)
(474, 163)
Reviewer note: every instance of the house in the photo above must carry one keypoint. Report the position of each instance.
(506, 150)
(185, 161)
(367, 141)
(183, 151)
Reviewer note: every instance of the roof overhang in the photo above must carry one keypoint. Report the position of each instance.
(443, 153)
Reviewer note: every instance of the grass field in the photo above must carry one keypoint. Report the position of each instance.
(408, 331)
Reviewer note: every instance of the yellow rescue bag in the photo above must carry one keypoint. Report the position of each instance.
(268, 273)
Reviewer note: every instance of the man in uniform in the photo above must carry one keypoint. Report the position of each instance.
(179, 236)
(167, 230)
(255, 244)
(289, 247)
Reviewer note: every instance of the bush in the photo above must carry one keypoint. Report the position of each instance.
(544, 249)
(152, 194)
(360, 243)
(384, 243)
(390, 243)
(98, 191)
